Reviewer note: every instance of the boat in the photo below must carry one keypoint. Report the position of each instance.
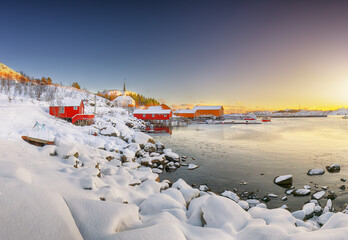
(37, 142)
(345, 117)
(250, 117)
(266, 119)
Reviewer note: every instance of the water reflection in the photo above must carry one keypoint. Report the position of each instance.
(159, 129)
(229, 155)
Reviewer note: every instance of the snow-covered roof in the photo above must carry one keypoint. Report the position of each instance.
(152, 111)
(207, 108)
(123, 98)
(69, 103)
(184, 111)
(155, 108)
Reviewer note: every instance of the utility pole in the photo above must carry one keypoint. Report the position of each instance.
(95, 104)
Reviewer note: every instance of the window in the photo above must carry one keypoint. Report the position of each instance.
(75, 108)
(153, 115)
(61, 109)
(143, 115)
(165, 115)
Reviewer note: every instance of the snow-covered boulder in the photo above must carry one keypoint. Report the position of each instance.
(128, 155)
(150, 147)
(301, 192)
(318, 171)
(170, 156)
(100, 220)
(142, 139)
(318, 195)
(192, 166)
(156, 203)
(230, 195)
(333, 168)
(187, 191)
(284, 180)
(110, 131)
(220, 211)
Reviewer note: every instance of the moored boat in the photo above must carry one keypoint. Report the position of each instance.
(250, 117)
(266, 119)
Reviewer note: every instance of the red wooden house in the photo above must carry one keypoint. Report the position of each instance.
(153, 113)
(72, 111)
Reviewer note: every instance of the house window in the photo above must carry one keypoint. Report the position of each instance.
(75, 108)
(153, 115)
(165, 115)
(143, 115)
(61, 109)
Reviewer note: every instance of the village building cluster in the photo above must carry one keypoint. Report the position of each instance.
(73, 111)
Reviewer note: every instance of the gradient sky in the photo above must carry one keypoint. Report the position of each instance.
(241, 54)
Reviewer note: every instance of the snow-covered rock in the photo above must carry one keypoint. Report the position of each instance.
(301, 192)
(315, 172)
(192, 166)
(318, 195)
(284, 180)
(230, 195)
(333, 168)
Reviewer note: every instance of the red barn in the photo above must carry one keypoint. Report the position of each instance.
(153, 113)
(72, 111)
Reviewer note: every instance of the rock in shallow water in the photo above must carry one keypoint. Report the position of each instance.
(333, 168)
(312, 172)
(301, 192)
(285, 180)
(318, 195)
(192, 166)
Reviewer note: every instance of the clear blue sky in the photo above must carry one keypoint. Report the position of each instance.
(239, 53)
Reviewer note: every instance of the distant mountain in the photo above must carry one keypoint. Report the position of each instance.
(340, 111)
(10, 74)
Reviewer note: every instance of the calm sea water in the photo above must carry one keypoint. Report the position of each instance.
(256, 154)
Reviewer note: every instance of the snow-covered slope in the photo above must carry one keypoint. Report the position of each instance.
(91, 185)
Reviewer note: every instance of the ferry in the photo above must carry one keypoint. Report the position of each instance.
(266, 119)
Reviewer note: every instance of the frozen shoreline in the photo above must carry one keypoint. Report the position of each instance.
(89, 187)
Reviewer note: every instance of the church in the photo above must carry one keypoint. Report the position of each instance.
(124, 100)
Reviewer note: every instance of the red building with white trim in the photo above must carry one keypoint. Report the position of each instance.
(153, 113)
(72, 111)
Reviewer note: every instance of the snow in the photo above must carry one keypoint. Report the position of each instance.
(184, 111)
(25, 206)
(319, 195)
(302, 192)
(82, 188)
(316, 172)
(101, 219)
(282, 178)
(109, 131)
(192, 166)
(152, 111)
(195, 108)
(69, 103)
(219, 212)
(230, 195)
(141, 138)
